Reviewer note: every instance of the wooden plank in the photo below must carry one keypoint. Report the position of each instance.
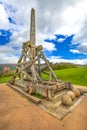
(24, 68)
(39, 64)
(44, 58)
(20, 83)
(29, 97)
(76, 103)
(50, 76)
(49, 82)
(62, 110)
(39, 77)
(29, 76)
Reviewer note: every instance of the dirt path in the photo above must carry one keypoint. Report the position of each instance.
(17, 113)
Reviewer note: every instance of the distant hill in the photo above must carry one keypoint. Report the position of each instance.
(61, 66)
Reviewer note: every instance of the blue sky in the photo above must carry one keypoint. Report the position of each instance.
(4, 37)
(64, 47)
(60, 28)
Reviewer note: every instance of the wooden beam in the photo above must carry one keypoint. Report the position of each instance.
(45, 72)
(24, 68)
(43, 57)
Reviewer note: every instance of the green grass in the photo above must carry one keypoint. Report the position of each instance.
(77, 76)
(39, 96)
(5, 79)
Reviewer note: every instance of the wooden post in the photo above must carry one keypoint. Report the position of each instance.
(32, 40)
(43, 57)
(39, 69)
(50, 76)
(32, 27)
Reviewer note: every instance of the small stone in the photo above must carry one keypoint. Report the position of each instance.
(81, 91)
(72, 95)
(66, 100)
(76, 92)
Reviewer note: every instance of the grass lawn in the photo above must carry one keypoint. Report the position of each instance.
(5, 79)
(77, 76)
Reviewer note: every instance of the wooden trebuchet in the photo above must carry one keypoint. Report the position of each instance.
(30, 69)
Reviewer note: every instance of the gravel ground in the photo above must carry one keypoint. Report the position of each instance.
(17, 113)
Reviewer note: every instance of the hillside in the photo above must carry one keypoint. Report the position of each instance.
(77, 76)
(61, 66)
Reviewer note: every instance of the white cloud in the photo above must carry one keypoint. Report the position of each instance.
(74, 51)
(83, 48)
(18, 37)
(64, 17)
(61, 39)
(73, 18)
(8, 54)
(49, 46)
(55, 57)
(59, 17)
(6, 49)
(58, 59)
(4, 22)
(5, 58)
(46, 45)
(74, 15)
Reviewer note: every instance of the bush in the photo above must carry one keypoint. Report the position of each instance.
(61, 66)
